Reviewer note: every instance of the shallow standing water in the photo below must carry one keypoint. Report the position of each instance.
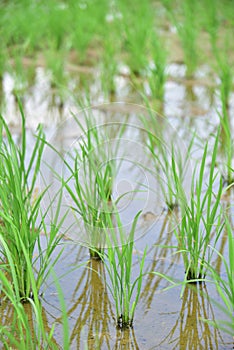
(163, 319)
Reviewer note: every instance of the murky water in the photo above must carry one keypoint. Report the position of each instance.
(163, 319)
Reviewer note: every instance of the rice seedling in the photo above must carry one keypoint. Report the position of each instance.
(86, 20)
(170, 165)
(187, 30)
(225, 74)
(58, 23)
(210, 12)
(82, 35)
(171, 171)
(80, 31)
(109, 65)
(188, 33)
(55, 61)
(63, 27)
(2, 60)
(226, 148)
(224, 284)
(157, 70)
(92, 192)
(91, 167)
(226, 141)
(20, 212)
(137, 25)
(118, 262)
(202, 218)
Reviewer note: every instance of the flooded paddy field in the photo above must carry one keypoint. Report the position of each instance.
(137, 147)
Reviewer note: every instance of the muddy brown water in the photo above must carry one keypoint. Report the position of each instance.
(163, 319)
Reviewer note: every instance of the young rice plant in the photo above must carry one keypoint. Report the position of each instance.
(20, 213)
(202, 218)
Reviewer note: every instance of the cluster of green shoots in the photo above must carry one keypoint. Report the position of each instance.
(23, 222)
(118, 262)
(201, 223)
(25, 262)
(90, 182)
(22, 219)
(170, 160)
(92, 168)
(59, 35)
(201, 218)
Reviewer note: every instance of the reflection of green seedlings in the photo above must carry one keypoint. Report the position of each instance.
(20, 213)
(194, 306)
(28, 329)
(157, 76)
(92, 294)
(124, 290)
(19, 334)
(227, 147)
(201, 216)
(225, 285)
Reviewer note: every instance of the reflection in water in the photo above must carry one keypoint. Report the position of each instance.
(91, 309)
(126, 340)
(194, 333)
(10, 319)
(189, 93)
(162, 259)
(91, 316)
(41, 103)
